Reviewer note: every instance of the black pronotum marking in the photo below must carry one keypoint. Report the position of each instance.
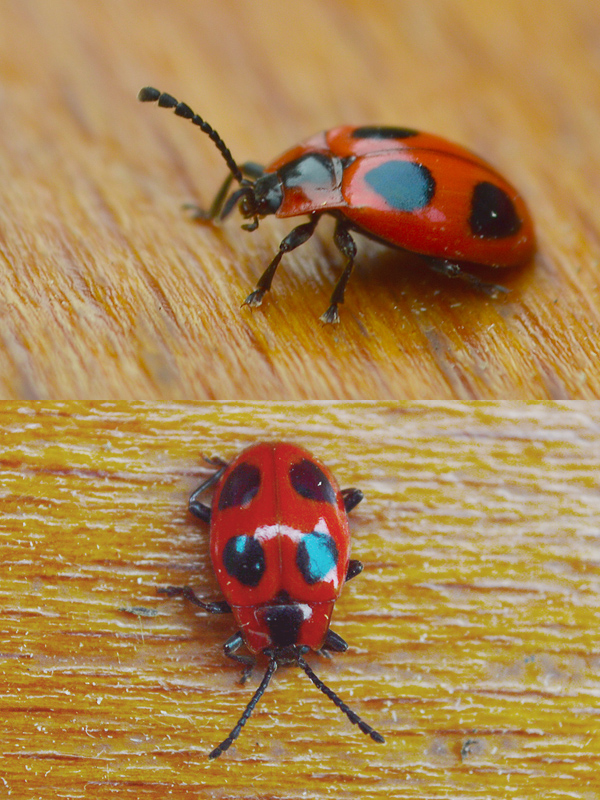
(284, 623)
(310, 168)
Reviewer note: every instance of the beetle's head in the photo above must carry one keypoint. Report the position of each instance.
(256, 199)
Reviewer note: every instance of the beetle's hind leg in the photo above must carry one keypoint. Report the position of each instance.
(452, 270)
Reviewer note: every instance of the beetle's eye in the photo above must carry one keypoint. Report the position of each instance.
(310, 482)
(240, 487)
(244, 559)
(316, 556)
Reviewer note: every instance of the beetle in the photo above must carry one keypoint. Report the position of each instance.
(406, 189)
(280, 548)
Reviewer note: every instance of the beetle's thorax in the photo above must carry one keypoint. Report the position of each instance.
(308, 184)
(283, 623)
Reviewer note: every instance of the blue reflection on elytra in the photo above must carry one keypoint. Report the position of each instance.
(317, 555)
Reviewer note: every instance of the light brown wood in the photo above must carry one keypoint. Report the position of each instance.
(108, 291)
(473, 628)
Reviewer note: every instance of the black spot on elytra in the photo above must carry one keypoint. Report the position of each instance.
(244, 559)
(380, 132)
(493, 214)
(310, 482)
(240, 487)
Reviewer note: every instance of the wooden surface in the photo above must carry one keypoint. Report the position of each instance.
(473, 629)
(108, 291)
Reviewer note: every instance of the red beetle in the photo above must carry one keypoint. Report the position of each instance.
(407, 189)
(280, 547)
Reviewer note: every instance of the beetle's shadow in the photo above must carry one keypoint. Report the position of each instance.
(402, 274)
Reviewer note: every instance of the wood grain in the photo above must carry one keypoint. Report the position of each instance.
(109, 292)
(473, 629)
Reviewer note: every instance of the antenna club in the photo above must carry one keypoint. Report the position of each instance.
(148, 94)
(151, 95)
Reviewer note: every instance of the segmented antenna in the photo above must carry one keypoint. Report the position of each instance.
(151, 95)
(271, 667)
(352, 716)
(226, 743)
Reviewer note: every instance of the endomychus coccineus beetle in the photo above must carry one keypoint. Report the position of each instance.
(404, 188)
(280, 548)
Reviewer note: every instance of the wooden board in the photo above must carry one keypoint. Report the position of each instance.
(473, 628)
(108, 291)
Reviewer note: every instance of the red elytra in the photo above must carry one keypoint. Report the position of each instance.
(280, 548)
(407, 189)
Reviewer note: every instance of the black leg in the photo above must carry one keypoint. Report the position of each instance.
(451, 270)
(199, 509)
(352, 498)
(334, 642)
(219, 607)
(293, 240)
(345, 244)
(195, 506)
(250, 169)
(355, 567)
(230, 649)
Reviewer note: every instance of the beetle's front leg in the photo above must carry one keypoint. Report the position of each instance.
(294, 239)
(250, 169)
(230, 647)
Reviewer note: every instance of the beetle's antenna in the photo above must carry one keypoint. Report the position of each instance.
(226, 743)
(150, 95)
(352, 716)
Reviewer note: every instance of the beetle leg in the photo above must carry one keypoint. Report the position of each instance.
(199, 509)
(352, 498)
(334, 642)
(195, 506)
(346, 245)
(355, 567)
(451, 270)
(250, 169)
(206, 215)
(230, 647)
(218, 607)
(294, 239)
